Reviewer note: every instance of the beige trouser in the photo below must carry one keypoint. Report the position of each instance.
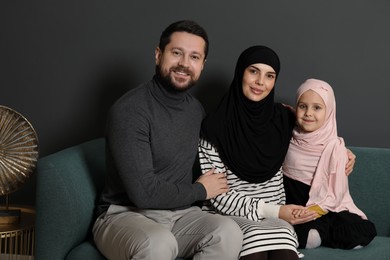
(165, 234)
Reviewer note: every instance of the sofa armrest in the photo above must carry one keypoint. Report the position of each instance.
(68, 183)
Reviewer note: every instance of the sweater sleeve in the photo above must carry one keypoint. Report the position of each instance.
(235, 202)
(128, 140)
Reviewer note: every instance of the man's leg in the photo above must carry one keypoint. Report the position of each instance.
(130, 235)
(207, 236)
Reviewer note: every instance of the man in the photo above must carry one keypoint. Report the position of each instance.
(152, 136)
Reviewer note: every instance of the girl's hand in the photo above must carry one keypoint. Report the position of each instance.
(296, 214)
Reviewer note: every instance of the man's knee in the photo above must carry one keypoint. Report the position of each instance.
(159, 245)
(227, 236)
(230, 232)
(125, 240)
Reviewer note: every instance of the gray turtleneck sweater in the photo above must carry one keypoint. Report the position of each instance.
(152, 139)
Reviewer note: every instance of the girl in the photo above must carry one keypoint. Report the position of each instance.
(314, 174)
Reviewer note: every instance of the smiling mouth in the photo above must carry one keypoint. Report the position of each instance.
(181, 71)
(257, 91)
(181, 76)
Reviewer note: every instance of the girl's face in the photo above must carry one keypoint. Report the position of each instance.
(311, 111)
(258, 81)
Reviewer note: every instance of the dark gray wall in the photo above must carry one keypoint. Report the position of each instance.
(63, 63)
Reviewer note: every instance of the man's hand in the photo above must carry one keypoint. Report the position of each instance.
(295, 214)
(350, 163)
(214, 183)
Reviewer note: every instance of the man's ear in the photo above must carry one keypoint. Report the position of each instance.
(157, 55)
(204, 62)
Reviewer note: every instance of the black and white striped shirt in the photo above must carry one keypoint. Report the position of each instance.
(254, 206)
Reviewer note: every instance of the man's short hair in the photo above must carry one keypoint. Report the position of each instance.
(184, 26)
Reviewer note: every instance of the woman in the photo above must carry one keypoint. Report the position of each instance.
(247, 138)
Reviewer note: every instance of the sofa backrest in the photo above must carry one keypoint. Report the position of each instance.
(370, 185)
(68, 185)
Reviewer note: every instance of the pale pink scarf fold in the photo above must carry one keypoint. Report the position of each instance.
(319, 158)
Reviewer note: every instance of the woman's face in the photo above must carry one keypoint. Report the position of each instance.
(258, 81)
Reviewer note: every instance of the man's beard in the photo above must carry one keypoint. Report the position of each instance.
(167, 80)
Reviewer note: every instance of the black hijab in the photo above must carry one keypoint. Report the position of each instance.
(252, 138)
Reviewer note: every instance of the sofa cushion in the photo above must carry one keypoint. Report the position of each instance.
(378, 249)
(369, 183)
(85, 251)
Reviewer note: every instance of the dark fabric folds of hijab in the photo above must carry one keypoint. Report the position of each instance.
(252, 138)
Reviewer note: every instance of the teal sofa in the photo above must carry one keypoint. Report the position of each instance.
(69, 182)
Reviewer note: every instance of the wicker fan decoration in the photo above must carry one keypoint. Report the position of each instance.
(18, 151)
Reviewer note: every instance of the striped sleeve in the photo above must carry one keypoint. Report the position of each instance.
(254, 201)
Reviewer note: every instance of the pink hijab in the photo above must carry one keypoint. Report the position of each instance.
(318, 158)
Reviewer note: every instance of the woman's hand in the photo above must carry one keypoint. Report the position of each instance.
(350, 163)
(296, 214)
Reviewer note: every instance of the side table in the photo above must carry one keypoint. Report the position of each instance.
(17, 240)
